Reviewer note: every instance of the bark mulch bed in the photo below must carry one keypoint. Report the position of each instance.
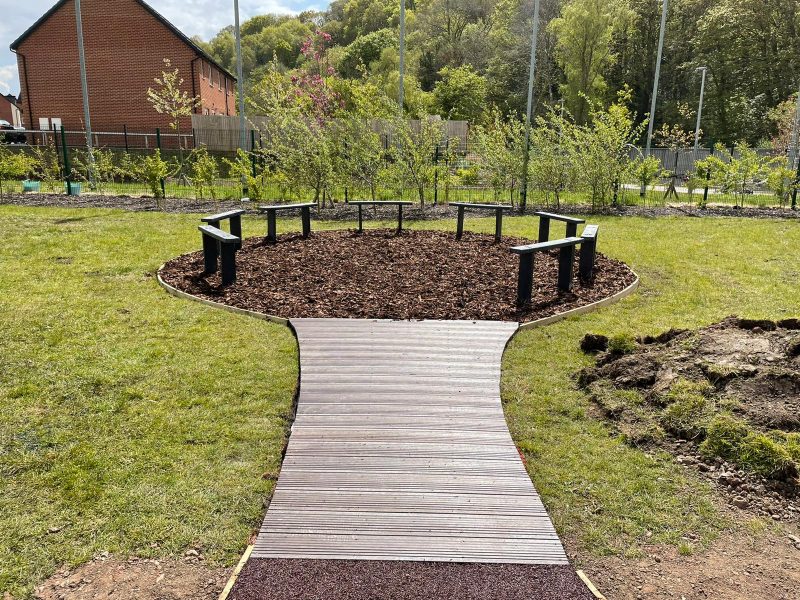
(296, 579)
(417, 275)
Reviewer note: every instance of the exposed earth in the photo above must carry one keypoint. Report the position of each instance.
(417, 275)
(725, 400)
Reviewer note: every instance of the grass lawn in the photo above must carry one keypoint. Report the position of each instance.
(136, 423)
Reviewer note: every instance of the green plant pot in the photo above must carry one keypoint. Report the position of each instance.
(76, 189)
(31, 186)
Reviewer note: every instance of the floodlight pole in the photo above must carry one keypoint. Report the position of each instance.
(529, 110)
(240, 84)
(703, 70)
(401, 90)
(85, 90)
(651, 120)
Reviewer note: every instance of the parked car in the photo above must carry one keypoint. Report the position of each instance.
(10, 134)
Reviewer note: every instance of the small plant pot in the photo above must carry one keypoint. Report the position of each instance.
(31, 186)
(73, 189)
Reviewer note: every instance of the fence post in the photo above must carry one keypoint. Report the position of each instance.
(158, 143)
(57, 146)
(708, 178)
(252, 151)
(794, 188)
(67, 167)
(125, 135)
(436, 175)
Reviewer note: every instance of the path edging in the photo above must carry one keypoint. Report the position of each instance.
(580, 310)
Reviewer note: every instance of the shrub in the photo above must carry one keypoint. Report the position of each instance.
(203, 172)
(622, 343)
(152, 170)
(724, 437)
(14, 165)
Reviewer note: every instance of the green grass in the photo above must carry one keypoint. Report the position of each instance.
(136, 423)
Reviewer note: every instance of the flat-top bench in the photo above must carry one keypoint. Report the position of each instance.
(398, 203)
(498, 210)
(216, 244)
(272, 229)
(544, 224)
(232, 216)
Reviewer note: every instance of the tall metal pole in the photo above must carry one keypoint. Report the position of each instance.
(652, 118)
(700, 108)
(240, 84)
(529, 111)
(85, 89)
(795, 134)
(401, 85)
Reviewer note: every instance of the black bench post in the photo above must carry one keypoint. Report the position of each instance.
(525, 282)
(210, 254)
(460, 223)
(236, 229)
(305, 216)
(544, 229)
(572, 229)
(498, 225)
(566, 261)
(360, 218)
(588, 253)
(228, 263)
(399, 219)
(272, 226)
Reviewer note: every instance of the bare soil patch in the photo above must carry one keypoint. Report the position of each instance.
(417, 275)
(725, 400)
(112, 577)
(289, 579)
(736, 567)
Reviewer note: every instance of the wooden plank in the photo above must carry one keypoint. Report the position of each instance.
(400, 450)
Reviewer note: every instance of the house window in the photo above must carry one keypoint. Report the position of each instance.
(44, 124)
(55, 123)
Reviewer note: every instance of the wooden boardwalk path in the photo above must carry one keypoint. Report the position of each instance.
(400, 450)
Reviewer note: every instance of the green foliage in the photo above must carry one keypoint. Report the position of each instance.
(47, 168)
(203, 172)
(781, 180)
(241, 168)
(460, 95)
(14, 165)
(356, 58)
(763, 455)
(414, 147)
(151, 170)
(100, 172)
(646, 170)
(734, 172)
(500, 142)
(553, 152)
(724, 437)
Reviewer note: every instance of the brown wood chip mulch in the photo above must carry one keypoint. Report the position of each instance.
(417, 275)
(296, 579)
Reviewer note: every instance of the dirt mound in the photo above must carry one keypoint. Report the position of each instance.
(725, 399)
(112, 577)
(417, 275)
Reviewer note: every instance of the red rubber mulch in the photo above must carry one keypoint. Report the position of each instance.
(296, 579)
(417, 275)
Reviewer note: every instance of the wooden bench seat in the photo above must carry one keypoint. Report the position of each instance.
(219, 246)
(362, 203)
(498, 210)
(544, 224)
(272, 210)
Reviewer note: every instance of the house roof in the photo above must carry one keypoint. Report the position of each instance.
(10, 98)
(183, 37)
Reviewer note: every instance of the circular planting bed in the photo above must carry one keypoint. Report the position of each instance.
(379, 275)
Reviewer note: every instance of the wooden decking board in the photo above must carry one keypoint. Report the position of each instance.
(400, 450)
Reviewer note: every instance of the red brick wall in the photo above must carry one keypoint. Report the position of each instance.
(5, 110)
(125, 47)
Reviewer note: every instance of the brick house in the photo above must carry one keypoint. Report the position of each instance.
(125, 42)
(9, 111)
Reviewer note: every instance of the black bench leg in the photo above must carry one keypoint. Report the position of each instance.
(460, 223)
(572, 230)
(587, 258)
(544, 230)
(228, 263)
(210, 254)
(399, 219)
(272, 228)
(525, 283)
(305, 215)
(360, 219)
(566, 260)
(236, 229)
(498, 226)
